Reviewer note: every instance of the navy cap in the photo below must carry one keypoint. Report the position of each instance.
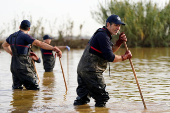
(115, 19)
(46, 37)
(25, 23)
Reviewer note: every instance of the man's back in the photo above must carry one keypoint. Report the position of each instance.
(22, 42)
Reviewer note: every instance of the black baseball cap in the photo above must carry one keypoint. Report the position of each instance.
(115, 19)
(25, 23)
(46, 37)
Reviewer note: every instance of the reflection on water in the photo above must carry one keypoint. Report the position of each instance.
(89, 109)
(152, 66)
(22, 101)
(48, 84)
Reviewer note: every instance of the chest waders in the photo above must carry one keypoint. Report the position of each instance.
(22, 69)
(90, 79)
(48, 62)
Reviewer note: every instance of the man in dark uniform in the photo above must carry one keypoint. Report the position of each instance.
(18, 45)
(93, 62)
(47, 55)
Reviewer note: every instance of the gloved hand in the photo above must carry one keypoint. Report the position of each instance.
(68, 48)
(122, 38)
(127, 55)
(34, 56)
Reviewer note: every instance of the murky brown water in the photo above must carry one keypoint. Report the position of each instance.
(152, 67)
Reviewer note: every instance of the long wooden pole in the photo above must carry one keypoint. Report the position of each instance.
(36, 71)
(63, 73)
(67, 64)
(136, 78)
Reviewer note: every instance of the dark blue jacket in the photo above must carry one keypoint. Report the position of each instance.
(101, 44)
(23, 42)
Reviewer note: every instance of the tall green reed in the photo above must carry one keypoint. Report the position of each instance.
(146, 24)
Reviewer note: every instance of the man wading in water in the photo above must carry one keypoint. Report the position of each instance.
(47, 55)
(18, 45)
(93, 62)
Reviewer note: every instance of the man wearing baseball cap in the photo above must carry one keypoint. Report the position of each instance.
(22, 68)
(93, 62)
(47, 55)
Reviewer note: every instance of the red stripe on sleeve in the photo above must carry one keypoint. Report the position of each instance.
(95, 49)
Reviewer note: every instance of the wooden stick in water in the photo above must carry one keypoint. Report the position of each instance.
(63, 73)
(136, 78)
(67, 64)
(36, 71)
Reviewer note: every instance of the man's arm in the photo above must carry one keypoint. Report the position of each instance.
(7, 47)
(63, 47)
(46, 46)
(115, 48)
(42, 45)
(118, 58)
(126, 56)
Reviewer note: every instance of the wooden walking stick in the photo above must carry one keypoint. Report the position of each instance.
(36, 70)
(63, 73)
(136, 78)
(67, 64)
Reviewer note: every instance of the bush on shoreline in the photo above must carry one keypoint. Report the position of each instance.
(147, 25)
(75, 44)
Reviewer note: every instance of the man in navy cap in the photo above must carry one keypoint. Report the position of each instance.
(22, 68)
(47, 55)
(93, 62)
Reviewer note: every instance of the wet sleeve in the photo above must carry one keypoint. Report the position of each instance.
(105, 46)
(29, 39)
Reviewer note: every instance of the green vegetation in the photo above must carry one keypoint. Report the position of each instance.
(62, 33)
(146, 24)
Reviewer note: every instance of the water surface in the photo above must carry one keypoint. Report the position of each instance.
(152, 66)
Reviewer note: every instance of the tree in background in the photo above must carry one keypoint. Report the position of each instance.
(146, 24)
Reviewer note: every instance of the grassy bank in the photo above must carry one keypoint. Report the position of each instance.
(75, 44)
